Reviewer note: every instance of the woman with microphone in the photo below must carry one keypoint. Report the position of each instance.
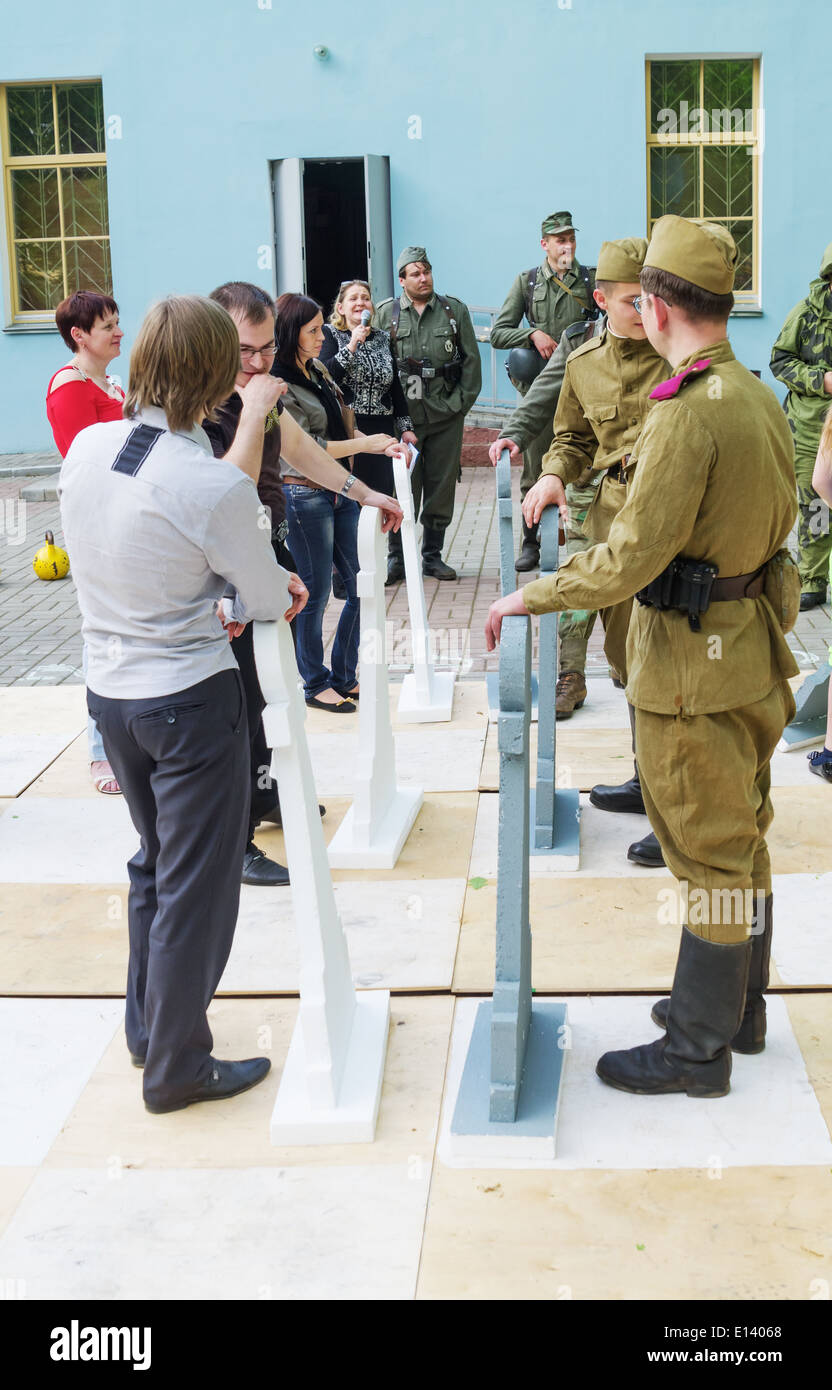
(360, 360)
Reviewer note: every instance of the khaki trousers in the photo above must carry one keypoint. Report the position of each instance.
(706, 781)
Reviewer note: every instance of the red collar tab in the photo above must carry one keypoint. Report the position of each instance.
(673, 386)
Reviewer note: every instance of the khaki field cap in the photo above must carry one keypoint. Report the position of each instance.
(621, 260)
(409, 255)
(557, 222)
(703, 253)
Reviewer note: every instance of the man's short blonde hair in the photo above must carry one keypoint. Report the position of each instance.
(185, 359)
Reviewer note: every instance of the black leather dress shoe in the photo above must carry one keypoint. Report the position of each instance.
(224, 1079)
(263, 872)
(647, 852)
(626, 797)
(275, 818)
(811, 598)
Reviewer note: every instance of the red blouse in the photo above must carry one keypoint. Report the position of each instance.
(76, 404)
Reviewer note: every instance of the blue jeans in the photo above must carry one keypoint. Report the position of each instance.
(323, 531)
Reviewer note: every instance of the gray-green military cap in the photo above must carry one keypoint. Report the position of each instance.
(409, 255)
(557, 222)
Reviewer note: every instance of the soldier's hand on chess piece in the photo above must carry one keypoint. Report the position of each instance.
(497, 448)
(548, 491)
(512, 606)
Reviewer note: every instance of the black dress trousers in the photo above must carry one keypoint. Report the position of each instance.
(182, 762)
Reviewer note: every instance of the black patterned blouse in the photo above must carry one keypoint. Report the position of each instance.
(367, 376)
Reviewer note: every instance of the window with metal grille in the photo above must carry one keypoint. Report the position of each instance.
(704, 142)
(55, 187)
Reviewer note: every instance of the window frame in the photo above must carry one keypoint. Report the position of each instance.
(41, 318)
(748, 301)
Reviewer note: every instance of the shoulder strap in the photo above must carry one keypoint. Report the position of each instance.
(449, 311)
(394, 320)
(531, 281)
(135, 449)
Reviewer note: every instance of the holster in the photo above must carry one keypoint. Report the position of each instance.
(692, 586)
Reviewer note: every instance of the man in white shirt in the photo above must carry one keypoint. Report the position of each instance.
(158, 529)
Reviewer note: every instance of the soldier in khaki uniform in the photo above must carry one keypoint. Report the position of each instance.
(438, 360)
(535, 416)
(601, 409)
(550, 296)
(711, 694)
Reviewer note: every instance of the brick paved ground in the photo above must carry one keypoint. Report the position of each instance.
(40, 636)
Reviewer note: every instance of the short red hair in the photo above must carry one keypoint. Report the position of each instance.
(80, 310)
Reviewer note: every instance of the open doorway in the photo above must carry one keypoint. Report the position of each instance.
(332, 223)
(336, 226)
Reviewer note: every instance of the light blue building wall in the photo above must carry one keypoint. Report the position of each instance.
(525, 108)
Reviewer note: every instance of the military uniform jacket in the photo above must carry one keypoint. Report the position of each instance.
(602, 404)
(553, 308)
(712, 480)
(536, 411)
(799, 358)
(430, 336)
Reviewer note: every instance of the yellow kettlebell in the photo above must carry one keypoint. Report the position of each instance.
(51, 562)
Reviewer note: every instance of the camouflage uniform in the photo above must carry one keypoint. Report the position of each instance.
(799, 358)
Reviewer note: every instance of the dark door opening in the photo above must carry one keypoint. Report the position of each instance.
(335, 221)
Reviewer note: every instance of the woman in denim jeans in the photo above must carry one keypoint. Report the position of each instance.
(323, 527)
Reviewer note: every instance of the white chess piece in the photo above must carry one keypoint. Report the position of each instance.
(380, 819)
(331, 1082)
(427, 696)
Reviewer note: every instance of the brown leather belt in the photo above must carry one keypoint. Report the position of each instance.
(739, 586)
(291, 480)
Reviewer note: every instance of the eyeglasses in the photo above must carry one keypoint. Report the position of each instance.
(248, 352)
(638, 303)
(361, 283)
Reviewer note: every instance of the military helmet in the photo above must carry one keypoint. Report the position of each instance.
(524, 364)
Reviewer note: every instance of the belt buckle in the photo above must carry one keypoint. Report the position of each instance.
(428, 372)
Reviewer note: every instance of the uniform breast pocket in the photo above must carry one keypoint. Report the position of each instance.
(599, 415)
(442, 344)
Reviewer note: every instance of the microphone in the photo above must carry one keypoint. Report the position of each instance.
(365, 318)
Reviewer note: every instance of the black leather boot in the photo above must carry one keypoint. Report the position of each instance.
(626, 797)
(529, 557)
(647, 853)
(750, 1037)
(432, 563)
(395, 560)
(706, 1005)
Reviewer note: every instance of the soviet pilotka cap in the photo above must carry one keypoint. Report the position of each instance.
(621, 260)
(557, 222)
(703, 253)
(409, 255)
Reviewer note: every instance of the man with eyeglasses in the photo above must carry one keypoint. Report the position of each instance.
(251, 429)
(601, 409)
